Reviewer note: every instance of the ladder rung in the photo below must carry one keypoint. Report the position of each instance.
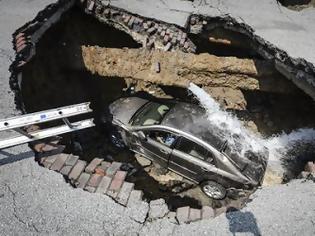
(41, 134)
(44, 116)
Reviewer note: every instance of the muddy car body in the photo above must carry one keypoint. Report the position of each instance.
(177, 136)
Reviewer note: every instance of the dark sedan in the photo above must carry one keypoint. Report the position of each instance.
(177, 136)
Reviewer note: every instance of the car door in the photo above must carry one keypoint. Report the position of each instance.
(191, 160)
(157, 146)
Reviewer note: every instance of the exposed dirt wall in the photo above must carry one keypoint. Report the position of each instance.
(178, 69)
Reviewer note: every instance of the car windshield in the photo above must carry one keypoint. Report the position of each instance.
(151, 114)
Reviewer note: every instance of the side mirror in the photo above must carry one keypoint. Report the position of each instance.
(141, 136)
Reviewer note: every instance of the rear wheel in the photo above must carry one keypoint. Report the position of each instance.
(213, 189)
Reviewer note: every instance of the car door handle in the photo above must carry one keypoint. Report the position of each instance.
(164, 151)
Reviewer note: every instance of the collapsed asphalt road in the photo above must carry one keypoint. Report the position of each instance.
(35, 200)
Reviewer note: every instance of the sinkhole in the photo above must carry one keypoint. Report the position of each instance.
(57, 76)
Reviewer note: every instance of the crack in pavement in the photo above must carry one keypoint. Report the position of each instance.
(32, 226)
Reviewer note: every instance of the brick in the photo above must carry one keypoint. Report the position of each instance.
(38, 147)
(20, 48)
(20, 42)
(72, 160)
(310, 167)
(114, 167)
(179, 37)
(114, 12)
(95, 180)
(145, 26)
(99, 9)
(115, 187)
(131, 21)
(124, 193)
(182, 42)
(151, 30)
(207, 212)
(168, 31)
(167, 46)
(159, 30)
(92, 165)
(77, 170)
(53, 148)
(65, 170)
(149, 23)
(91, 5)
(163, 33)
(120, 175)
(90, 189)
(104, 184)
(134, 197)
(59, 162)
(50, 160)
(186, 45)
(166, 39)
(150, 44)
(182, 214)
(194, 214)
(99, 171)
(136, 21)
(106, 12)
(105, 165)
(41, 159)
(174, 40)
(19, 35)
(83, 180)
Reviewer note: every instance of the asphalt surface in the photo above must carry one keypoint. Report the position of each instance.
(289, 30)
(36, 201)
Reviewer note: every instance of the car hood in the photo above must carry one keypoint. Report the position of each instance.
(124, 108)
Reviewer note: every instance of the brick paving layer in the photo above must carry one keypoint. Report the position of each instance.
(103, 177)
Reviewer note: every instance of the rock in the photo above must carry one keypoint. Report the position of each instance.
(303, 175)
(142, 160)
(310, 167)
(158, 209)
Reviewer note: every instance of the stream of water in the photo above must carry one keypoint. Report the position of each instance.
(230, 128)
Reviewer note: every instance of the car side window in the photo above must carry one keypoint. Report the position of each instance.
(195, 150)
(163, 137)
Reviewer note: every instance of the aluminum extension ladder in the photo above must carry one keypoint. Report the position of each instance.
(17, 123)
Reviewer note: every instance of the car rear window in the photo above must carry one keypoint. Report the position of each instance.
(195, 150)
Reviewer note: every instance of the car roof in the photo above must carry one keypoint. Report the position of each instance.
(192, 119)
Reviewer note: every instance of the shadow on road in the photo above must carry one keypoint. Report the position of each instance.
(242, 222)
(7, 158)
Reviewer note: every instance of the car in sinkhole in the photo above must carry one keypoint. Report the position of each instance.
(177, 135)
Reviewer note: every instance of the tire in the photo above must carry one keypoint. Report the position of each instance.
(213, 190)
